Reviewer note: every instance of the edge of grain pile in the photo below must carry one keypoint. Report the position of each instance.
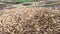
(29, 20)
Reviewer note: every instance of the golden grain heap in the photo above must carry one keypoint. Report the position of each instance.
(33, 20)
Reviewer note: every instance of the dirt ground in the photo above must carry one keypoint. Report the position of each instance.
(33, 20)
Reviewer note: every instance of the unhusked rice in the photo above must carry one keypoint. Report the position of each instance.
(33, 20)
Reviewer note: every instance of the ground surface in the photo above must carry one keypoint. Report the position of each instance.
(33, 20)
(53, 4)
